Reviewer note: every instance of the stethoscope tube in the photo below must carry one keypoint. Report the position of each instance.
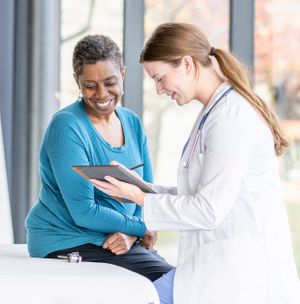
(199, 131)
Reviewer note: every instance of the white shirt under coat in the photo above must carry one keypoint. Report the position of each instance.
(235, 245)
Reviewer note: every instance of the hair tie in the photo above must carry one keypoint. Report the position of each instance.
(212, 51)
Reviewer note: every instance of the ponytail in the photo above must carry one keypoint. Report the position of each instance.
(236, 74)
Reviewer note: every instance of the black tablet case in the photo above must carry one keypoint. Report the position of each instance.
(98, 172)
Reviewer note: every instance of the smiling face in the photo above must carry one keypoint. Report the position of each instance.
(175, 82)
(101, 85)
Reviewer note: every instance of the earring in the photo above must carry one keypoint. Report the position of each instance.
(79, 96)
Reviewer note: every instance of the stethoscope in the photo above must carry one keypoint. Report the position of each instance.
(199, 131)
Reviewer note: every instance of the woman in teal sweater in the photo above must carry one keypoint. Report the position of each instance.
(70, 214)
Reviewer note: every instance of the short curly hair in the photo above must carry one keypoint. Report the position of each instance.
(94, 48)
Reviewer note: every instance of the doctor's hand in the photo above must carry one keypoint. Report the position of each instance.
(116, 188)
(119, 243)
(149, 239)
(131, 172)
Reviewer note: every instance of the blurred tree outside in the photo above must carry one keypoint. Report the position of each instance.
(277, 74)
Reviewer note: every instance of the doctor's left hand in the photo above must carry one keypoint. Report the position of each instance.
(149, 239)
(116, 188)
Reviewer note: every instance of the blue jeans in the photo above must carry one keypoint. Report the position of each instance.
(164, 286)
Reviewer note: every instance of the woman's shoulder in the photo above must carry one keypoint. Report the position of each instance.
(128, 115)
(69, 114)
(69, 120)
(131, 121)
(126, 111)
(67, 123)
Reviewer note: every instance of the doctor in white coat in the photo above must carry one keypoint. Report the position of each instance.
(235, 245)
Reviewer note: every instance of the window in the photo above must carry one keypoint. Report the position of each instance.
(277, 80)
(162, 117)
(81, 18)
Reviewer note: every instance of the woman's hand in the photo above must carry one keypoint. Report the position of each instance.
(149, 239)
(119, 243)
(116, 188)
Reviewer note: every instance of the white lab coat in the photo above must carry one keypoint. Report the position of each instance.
(235, 245)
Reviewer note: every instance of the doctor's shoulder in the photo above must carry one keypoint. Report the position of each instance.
(235, 121)
(235, 110)
(245, 112)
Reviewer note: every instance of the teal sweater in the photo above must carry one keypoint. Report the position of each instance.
(70, 211)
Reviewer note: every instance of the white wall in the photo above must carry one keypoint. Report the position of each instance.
(6, 235)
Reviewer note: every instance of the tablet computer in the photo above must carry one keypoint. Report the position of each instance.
(99, 172)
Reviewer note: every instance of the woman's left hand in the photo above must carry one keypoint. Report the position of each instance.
(116, 188)
(119, 243)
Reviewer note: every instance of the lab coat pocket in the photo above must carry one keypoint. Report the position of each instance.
(233, 272)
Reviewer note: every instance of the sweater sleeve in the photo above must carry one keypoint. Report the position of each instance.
(147, 168)
(66, 147)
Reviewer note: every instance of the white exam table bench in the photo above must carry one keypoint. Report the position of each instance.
(28, 280)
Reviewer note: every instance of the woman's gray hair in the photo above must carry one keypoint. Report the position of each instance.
(94, 48)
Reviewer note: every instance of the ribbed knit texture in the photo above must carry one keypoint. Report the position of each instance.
(70, 211)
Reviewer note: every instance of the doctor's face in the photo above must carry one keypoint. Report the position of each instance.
(175, 82)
